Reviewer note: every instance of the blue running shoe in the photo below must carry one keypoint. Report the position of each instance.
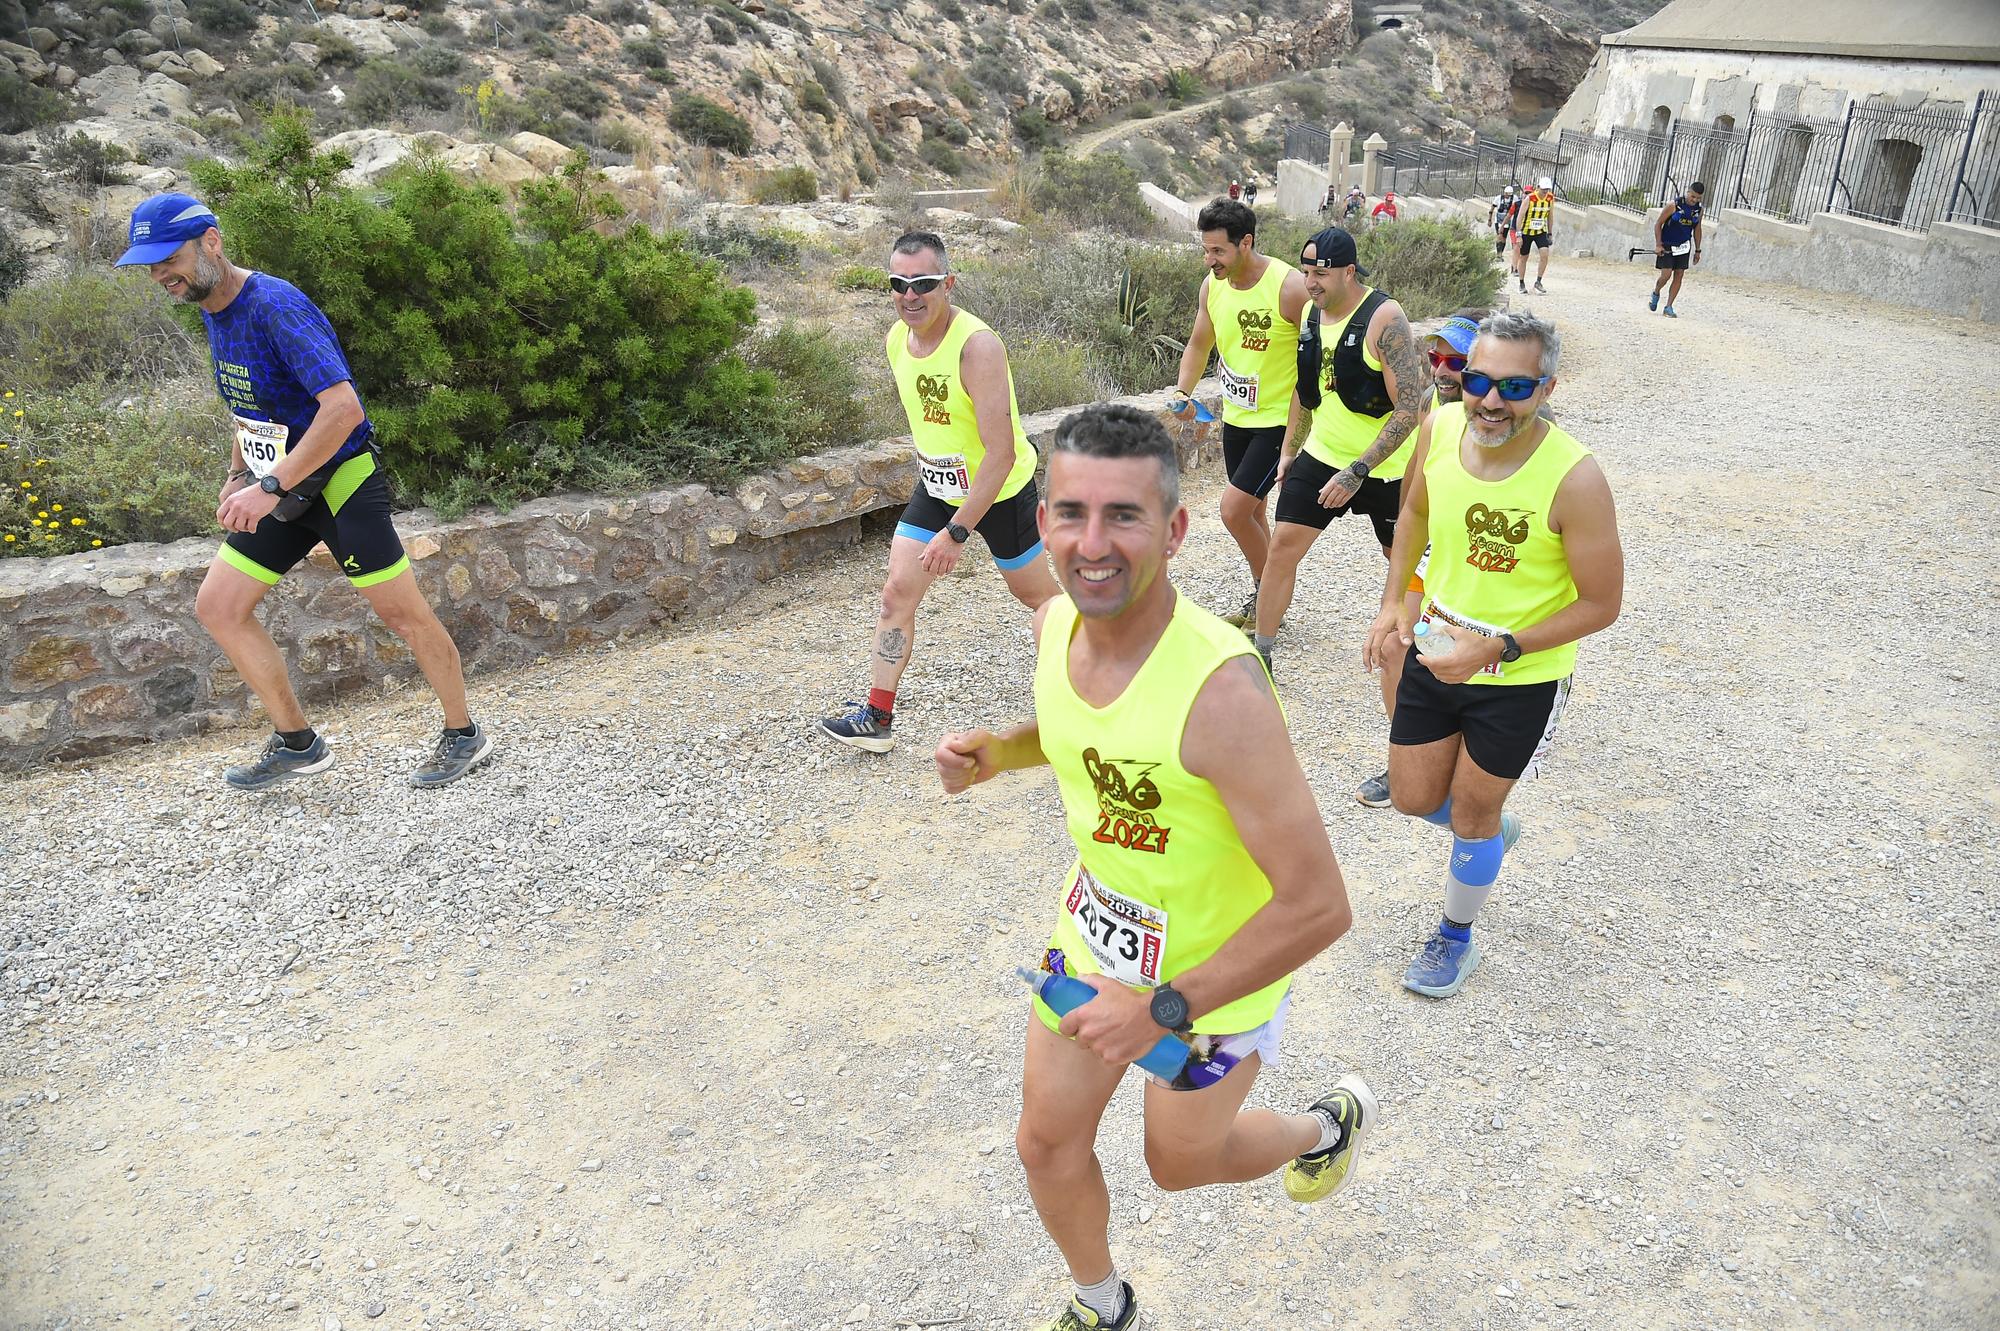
(1440, 970)
(278, 763)
(1669, 312)
(1510, 832)
(861, 726)
(1653, 301)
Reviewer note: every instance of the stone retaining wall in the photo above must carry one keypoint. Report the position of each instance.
(103, 649)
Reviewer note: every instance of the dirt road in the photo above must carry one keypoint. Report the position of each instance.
(677, 1017)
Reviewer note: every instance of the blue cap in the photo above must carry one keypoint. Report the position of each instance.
(1457, 332)
(162, 224)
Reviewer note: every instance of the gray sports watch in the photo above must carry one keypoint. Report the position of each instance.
(1509, 650)
(271, 485)
(958, 531)
(1359, 468)
(1170, 1010)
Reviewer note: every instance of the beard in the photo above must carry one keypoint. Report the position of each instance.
(1490, 436)
(207, 277)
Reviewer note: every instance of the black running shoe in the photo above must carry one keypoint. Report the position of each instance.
(863, 727)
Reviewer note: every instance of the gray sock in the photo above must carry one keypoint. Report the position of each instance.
(1264, 644)
(1106, 1298)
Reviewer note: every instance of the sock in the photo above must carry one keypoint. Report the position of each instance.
(1263, 643)
(1331, 1133)
(1474, 867)
(1106, 1298)
(466, 731)
(298, 740)
(883, 701)
(1441, 816)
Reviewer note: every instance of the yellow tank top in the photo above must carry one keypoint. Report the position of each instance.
(1494, 565)
(1339, 436)
(1162, 878)
(1535, 217)
(1257, 346)
(940, 411)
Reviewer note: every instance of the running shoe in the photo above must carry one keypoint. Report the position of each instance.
(1081, 1317)
(1653, 302)
(1247, 615)
(1441, 969)
(1540, 290)
(1524, 285)
(454, 756)
(1318, 1175)
(863, 727)
(1669, 312)
(279, 763)
(1374, 792)
(1510, 831)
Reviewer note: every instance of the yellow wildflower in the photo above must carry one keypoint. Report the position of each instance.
(76, 522)
(93, 542)
(9, 538)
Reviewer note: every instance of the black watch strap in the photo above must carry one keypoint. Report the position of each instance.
(1170, 1009)
(1359, 468)
(1510, 650)
(958, 531)
(271, 485)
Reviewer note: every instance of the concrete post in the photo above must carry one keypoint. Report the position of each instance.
(1340, 158)
(1371, 163)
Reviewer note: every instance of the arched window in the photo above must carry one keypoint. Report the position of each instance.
(1788, 164)
(1885, 184)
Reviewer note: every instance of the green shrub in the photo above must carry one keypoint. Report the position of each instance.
(94, 323)
(388, 89)
(24, 106)
(1000, 74)
(961, 88)
(646, 52)
(577, 94)
(1307, 96)
(436, 62)
(861, 277)
(790, 184)
(102, 468)
(813, 99)
(1101, 190)
(1068, 83)
(496, 356)
(828, 76)
(720, 30)
(941, 156)
(1142, 110)
(1033, 129)
(700, 120)
(1431, 268)
(750, 81)
(1050, 374)
(335, 50)
(223, 16)
(745, 248)
(13, 263)
(1181, 85)
(81, 160)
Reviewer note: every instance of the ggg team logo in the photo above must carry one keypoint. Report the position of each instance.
(1493, 537)
(1125, 805)
(935, 390)
(1255, 326)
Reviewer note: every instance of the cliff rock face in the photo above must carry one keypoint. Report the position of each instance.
(1525, 69)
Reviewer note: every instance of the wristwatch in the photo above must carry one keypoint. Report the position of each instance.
(1170, 1010)
(1359, 468)
(1509, 649)
(958, 531)
(271, 485)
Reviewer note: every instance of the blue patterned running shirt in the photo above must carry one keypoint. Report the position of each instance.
(274, 353)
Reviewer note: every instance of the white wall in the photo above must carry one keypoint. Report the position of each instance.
(1698, 86)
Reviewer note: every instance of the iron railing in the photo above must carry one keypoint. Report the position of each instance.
(1308, 143)
(1975, 197)
(1901, 167)
(1785, 168)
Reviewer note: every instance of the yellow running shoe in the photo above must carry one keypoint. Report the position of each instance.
(1320, 1174)
(1081, 1317)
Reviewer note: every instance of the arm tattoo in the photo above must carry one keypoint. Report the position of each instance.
(890, 645)
(1398, 348)
(1255, 669)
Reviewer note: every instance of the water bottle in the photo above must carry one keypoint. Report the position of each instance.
(1430, 641)
(1202, 414)
(1064, 995)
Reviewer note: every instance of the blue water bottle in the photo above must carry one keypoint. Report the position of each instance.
(1064, 995)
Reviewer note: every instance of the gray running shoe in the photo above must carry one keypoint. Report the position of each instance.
(454, 756)
(862, 727)
(279, 763)
(1540, 289)
(1374, 792)
(1247, 615)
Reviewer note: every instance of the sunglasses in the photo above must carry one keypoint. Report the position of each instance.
(1518, 388)
(1448, 361)
(923, 286)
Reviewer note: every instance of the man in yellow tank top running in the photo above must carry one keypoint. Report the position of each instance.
(1524, 561)
(1203, 877)
(975, 467)
(1248, 310)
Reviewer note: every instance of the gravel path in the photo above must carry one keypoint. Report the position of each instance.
(676, 1017)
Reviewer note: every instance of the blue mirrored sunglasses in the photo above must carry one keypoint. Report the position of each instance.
(1517, 388)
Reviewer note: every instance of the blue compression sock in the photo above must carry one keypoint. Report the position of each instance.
(1442, 815)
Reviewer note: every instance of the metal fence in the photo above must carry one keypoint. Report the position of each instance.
(1480, 167)
(1899, 167)
(1307, 143)
(1976, 195)
(1785, 168)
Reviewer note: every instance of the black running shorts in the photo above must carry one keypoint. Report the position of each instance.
(1008, 528)
(1298, 499)
(1250, 456)
(1673, 261)
(1507, 727)
(1529, 242)
(351, 516)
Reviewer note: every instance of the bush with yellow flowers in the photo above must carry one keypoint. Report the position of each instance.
(87, 469)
